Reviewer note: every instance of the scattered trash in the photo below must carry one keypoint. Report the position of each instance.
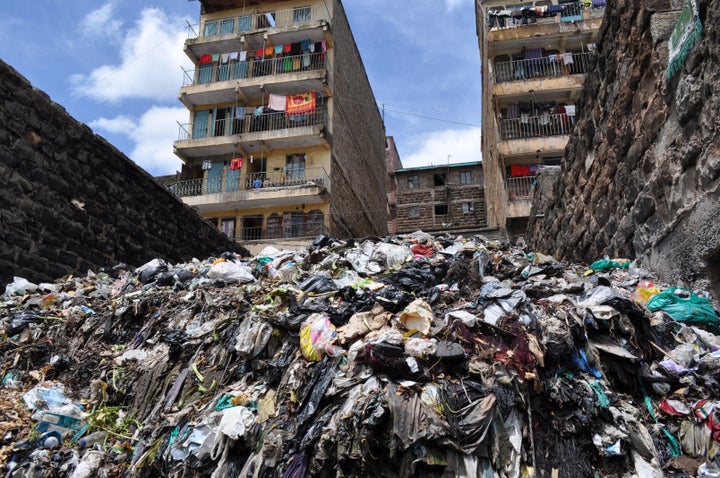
(404, 356)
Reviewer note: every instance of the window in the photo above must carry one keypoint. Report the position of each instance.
(413, 212)
(301, 14)
(245, 23)
(441, 209)
(266, 20)
(465, 177)
(314, 222)
(413, 182)
(274, 226)
(439, 179)
(227, 26)
(294, 167)
(227, 226)
(211, 28)
(467, 207)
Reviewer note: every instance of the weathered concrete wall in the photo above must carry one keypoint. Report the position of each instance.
(70, 201)
(358, 205)
(641, 172)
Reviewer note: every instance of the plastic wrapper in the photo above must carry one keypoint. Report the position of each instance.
(317, 336)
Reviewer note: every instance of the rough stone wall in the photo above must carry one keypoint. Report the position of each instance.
(70, 201)
(358, 206)
(640, 173)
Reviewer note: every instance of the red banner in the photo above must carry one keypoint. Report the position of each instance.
(301, 104)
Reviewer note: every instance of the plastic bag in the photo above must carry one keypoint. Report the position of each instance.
(317, 336)
(230, 272)
(645, 291)
(686, 306)
(19, 286)
(607, 264)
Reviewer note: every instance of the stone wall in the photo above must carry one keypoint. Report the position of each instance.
(641, 172)
(358, 205)
(70, 201)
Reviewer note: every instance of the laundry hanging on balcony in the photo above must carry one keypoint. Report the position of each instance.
(277, 102)
(236, 164)
(300, 104)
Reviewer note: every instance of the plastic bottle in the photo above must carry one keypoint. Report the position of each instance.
(50, 440)
(91, 439)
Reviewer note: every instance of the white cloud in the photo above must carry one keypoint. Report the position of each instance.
(120, 125)
(463, 146)
(100, 22)
(153, 135)
(151, 56)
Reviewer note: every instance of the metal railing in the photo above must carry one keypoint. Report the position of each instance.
(249, 124)
(252, 181)
(285, 179)
(545, 67)
(250, 22)
(236, 70)
(294, 231)
(533, 126)
(520, 189)
(517, 16)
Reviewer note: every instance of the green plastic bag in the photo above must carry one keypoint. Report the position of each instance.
(607, 264)
(688, 308)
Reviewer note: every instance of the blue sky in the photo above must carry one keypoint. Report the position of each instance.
(116, 66)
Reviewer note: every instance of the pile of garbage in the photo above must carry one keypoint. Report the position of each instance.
(414, 355)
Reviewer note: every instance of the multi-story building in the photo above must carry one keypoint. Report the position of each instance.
(534, 57)
(437, 199)
(393, 163)
(284, 138)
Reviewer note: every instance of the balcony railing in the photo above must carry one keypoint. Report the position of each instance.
(249, 124)
(236, 70)
(295, 231)
(534, 126)
(520, 189)
(239, 24)
(546, 67)
(500, 19)
(252, 181)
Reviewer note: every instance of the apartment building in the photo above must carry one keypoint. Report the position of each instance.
(284, 139)
(436, 199)
(534, 58)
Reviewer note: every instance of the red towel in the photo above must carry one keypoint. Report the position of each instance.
(519, 170)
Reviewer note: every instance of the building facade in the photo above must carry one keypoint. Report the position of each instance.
(284, 138)
(393, 163)
(534, 57)
(435, 199)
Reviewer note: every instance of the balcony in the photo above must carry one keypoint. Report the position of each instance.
(536, 126)
(520, 193)
(279, 27)
(307, 230)
(275, 130)
(217, 83)
(553, 66)
(521, 22)
(269, 189)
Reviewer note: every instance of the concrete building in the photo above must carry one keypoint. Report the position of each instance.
(534, 57)
(393, 163)
(284, 139)
(437, 199)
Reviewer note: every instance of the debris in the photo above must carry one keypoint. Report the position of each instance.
(404, 356)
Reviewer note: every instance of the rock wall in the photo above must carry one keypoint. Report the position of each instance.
(640, 173)
(70, 201)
